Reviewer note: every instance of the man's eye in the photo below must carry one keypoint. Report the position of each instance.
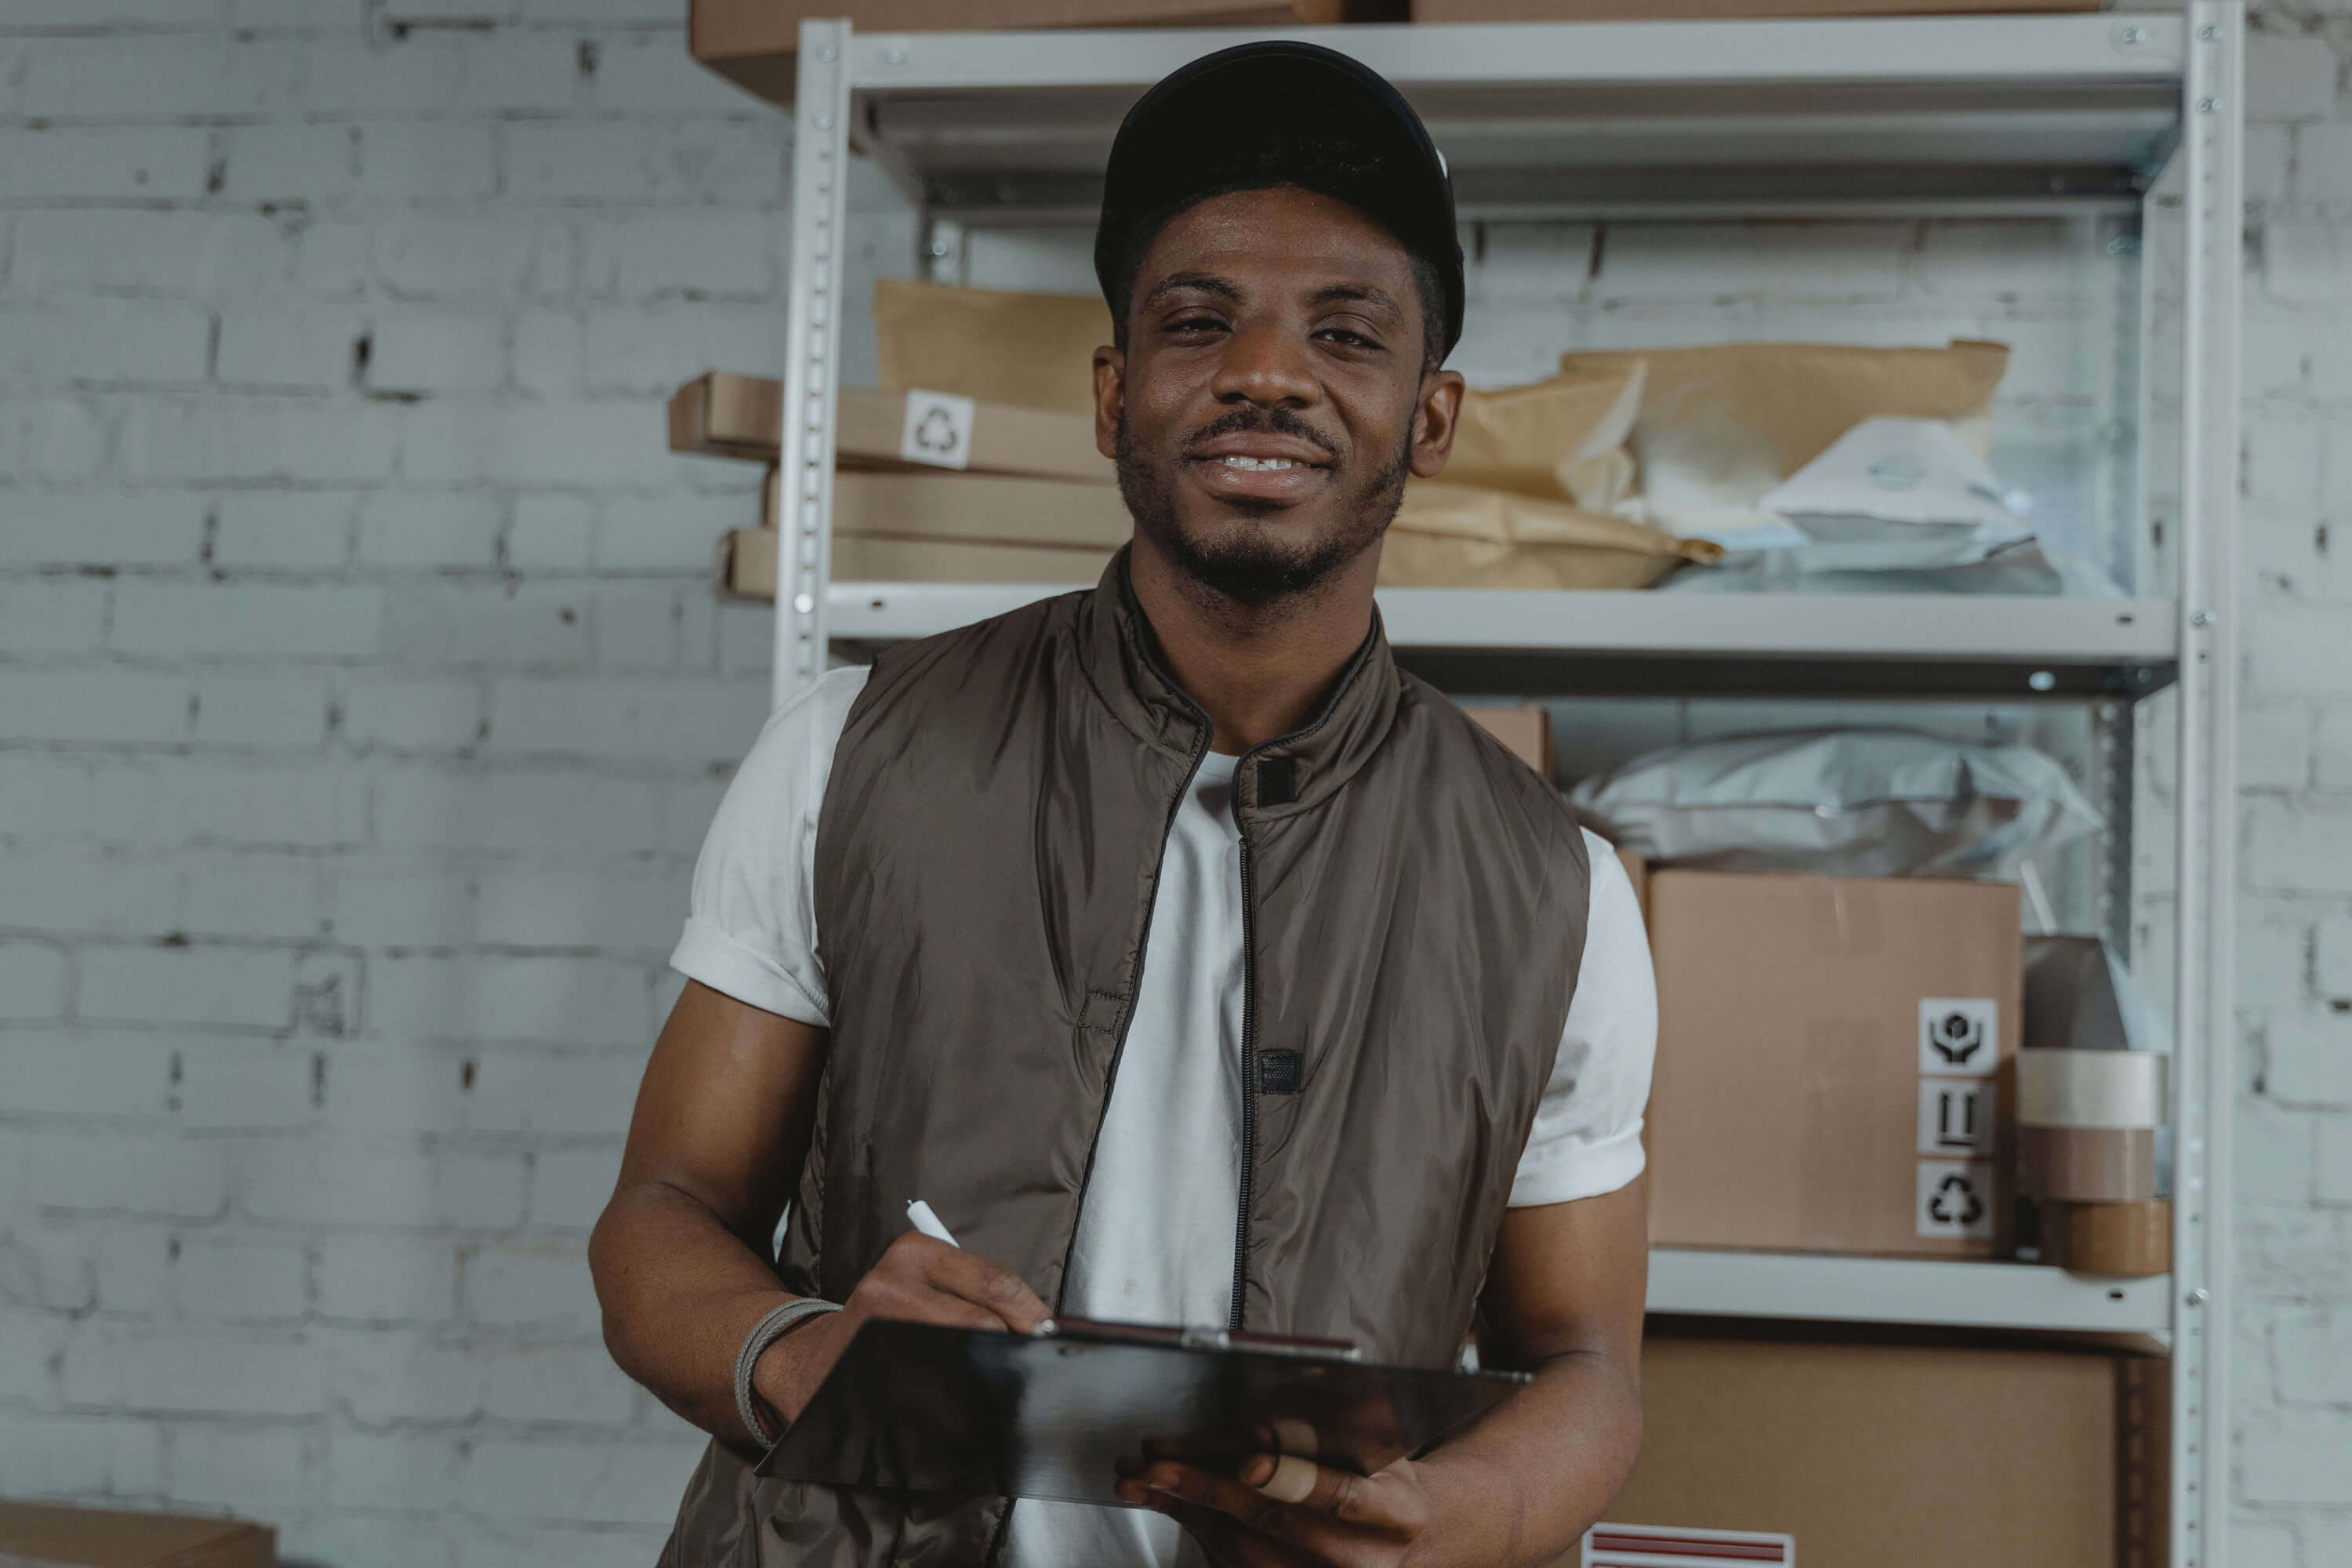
(1195, 325)
(1342, 336)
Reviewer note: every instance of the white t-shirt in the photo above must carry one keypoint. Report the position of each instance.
(1155, 1242)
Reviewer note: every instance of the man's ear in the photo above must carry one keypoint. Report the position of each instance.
(1433, 422)
(1110, 398)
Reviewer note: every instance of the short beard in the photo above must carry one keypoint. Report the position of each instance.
(1249, 565)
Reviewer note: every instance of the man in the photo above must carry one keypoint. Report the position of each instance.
(1195, 965)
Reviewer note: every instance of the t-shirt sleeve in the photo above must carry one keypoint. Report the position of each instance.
(751, 924)
(1587, 1137)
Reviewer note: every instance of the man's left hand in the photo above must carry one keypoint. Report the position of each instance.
(1342, 1521)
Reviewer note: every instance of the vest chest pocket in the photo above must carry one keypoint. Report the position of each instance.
(1278, 1072)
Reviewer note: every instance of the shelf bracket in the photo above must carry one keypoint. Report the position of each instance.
(2205, 996)
(813, 346)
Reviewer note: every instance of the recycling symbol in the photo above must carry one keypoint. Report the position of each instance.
(1955, 1037)
(937, 434)
(1956, 1203)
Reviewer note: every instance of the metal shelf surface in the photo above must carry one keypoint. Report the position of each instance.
(1975, 111)
(1692, 1282)
(1645, 644)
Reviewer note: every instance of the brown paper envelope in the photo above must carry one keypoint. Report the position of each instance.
(1035, 350)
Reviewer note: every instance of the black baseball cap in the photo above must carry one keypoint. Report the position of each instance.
(1280, 112)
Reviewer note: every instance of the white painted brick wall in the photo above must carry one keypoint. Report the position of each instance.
(2293, 1499)
(362, 704)
(358, 710)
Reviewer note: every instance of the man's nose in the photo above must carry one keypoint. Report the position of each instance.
(1266, 364)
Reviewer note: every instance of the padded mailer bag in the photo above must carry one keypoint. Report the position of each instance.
(1452, 536)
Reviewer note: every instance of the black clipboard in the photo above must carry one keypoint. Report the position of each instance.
(925, 1408)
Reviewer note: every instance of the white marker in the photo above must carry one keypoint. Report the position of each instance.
(919, 1214)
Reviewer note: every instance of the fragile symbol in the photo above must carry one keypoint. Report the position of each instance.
(1959, 1036)
(1956, 1203)
(937, 435)
(1956, 1038)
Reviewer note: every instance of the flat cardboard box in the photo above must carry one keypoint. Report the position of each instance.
(751, 562)
(1825, 1050)
(1713, 10)
(1927, 1456)
(1524, 727)
(982, 508)
(752, 42)
(722, 414)
(34, 1535)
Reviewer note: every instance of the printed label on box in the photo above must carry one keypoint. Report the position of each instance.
(1955, 1198)
(1657, 1546)
(1959, 1036)
(1956, 1116)
(938, 430)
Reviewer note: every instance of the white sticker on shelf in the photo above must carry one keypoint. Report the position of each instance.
(1955, 1198)
(938, 431)
(1959, 1036)
(1956, 1116)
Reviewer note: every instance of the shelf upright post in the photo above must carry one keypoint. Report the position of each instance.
(813, 354)
(2205, 1084)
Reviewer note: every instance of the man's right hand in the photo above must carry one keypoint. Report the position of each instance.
(917, 1280)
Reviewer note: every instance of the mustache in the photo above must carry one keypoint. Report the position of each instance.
(1254, 419)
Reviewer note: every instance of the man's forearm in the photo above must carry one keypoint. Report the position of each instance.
(680, 1293)
(1523, 1484)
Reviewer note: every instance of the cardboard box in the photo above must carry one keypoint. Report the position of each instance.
(977, 508)
(1831, 1067)
(980, 509)
(721, 415)
(924, 527)
(38, 1536)
(1927, 1456)
(752, 42)
(750, 566)
(1637, 871)
(1713, 10)
(1525, 728)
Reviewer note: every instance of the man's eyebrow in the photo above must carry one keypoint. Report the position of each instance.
(1355, 293)
(1195, 283)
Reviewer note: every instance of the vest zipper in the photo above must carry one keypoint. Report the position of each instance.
(1249, 1088)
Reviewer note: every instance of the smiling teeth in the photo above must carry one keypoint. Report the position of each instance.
(1262, 465)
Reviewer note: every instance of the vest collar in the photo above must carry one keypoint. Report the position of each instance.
(1276, 778)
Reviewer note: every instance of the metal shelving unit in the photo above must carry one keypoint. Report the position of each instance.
(1943, 116)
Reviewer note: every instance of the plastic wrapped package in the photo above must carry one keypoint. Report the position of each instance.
(2023, 567)
(1720, 427)
(1846, 802)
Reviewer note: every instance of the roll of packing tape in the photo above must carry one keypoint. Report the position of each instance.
(2087, 1164)
(2123, 1239)
(2090, 1088)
